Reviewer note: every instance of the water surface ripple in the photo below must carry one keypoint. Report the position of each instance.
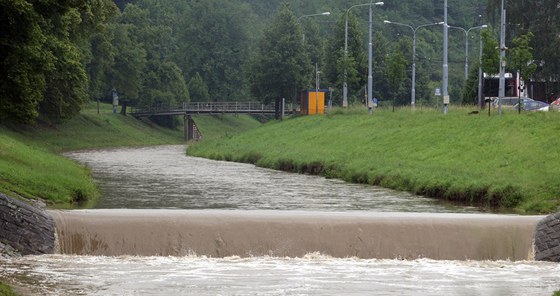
(164, 177)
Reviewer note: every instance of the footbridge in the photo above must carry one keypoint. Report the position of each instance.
(187, 109)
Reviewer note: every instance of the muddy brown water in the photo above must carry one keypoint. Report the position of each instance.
(169, 224)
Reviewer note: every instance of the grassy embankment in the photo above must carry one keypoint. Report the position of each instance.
(31, 167)
(507, 162)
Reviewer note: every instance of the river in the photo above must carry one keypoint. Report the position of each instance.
(163, 181)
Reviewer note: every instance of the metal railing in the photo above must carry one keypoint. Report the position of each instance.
(211, 107)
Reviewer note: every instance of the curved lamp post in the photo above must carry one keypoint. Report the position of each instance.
(370, 78)
(466, 31)
(326, 13)
(414, 30)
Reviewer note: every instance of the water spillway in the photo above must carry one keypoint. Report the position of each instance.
(223, 233)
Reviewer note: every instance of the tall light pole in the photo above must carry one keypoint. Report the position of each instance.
(480, 71)
(327, 13)
(445, 63)
(370, 64)
(414, 30)
(345, 83)
(501, 92)
(467, 45)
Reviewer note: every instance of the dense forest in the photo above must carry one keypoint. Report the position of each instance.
(59, 55)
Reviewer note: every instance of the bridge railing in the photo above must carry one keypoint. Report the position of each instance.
(210, 107)
(226, 106)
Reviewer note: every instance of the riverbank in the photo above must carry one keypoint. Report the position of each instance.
(31, 166)
(504, 163)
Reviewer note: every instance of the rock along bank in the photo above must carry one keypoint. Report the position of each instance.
(25, 229)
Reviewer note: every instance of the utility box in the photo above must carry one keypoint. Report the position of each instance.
(313, 101)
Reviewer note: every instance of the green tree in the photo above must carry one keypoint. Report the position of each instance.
(163, 85)
(198, 89)
(214, 41)
(23, 63)
(396, 65)
(355, 63)
(126, 74)
(67, 84)
(521, 56)
(380, 52)
(281, 64)
(470, 91)
(490, 54)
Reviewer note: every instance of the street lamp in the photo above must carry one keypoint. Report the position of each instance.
(345, 84)
(467, 45)
(502, 90)
(414, 30)
(480, 70)
(326, 13)
(445, 78)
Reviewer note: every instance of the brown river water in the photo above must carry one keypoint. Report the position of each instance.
(168, 224)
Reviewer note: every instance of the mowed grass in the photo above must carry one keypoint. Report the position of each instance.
(508, 162)
(34, 172)
(216, 126)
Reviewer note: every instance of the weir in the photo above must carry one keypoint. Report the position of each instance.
(223, 233)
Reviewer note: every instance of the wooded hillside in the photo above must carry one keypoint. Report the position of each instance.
(58, 55)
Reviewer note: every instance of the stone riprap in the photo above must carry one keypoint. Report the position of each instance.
(24, 229)
(547, 239)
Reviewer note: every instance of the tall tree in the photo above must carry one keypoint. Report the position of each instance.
(214, 41)
(380, 52)
(198, 89)
(126, 75)
(162, 81)
(490, 53)
(281, 64)
(23, 62)
(521, 56)
(354, 63)
(396, 65)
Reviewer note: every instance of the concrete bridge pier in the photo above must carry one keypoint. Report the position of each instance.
(189, 127)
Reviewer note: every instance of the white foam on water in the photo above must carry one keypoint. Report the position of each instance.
(313, 274)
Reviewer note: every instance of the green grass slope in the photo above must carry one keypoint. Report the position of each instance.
(503, 162)
(31, 167)
(216, 126)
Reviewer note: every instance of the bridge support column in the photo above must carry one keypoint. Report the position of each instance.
(189, 127)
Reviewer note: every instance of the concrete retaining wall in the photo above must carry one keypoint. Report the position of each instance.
(24, 229)
(547, 239)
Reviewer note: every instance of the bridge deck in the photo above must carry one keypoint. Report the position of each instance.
(207, 108)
